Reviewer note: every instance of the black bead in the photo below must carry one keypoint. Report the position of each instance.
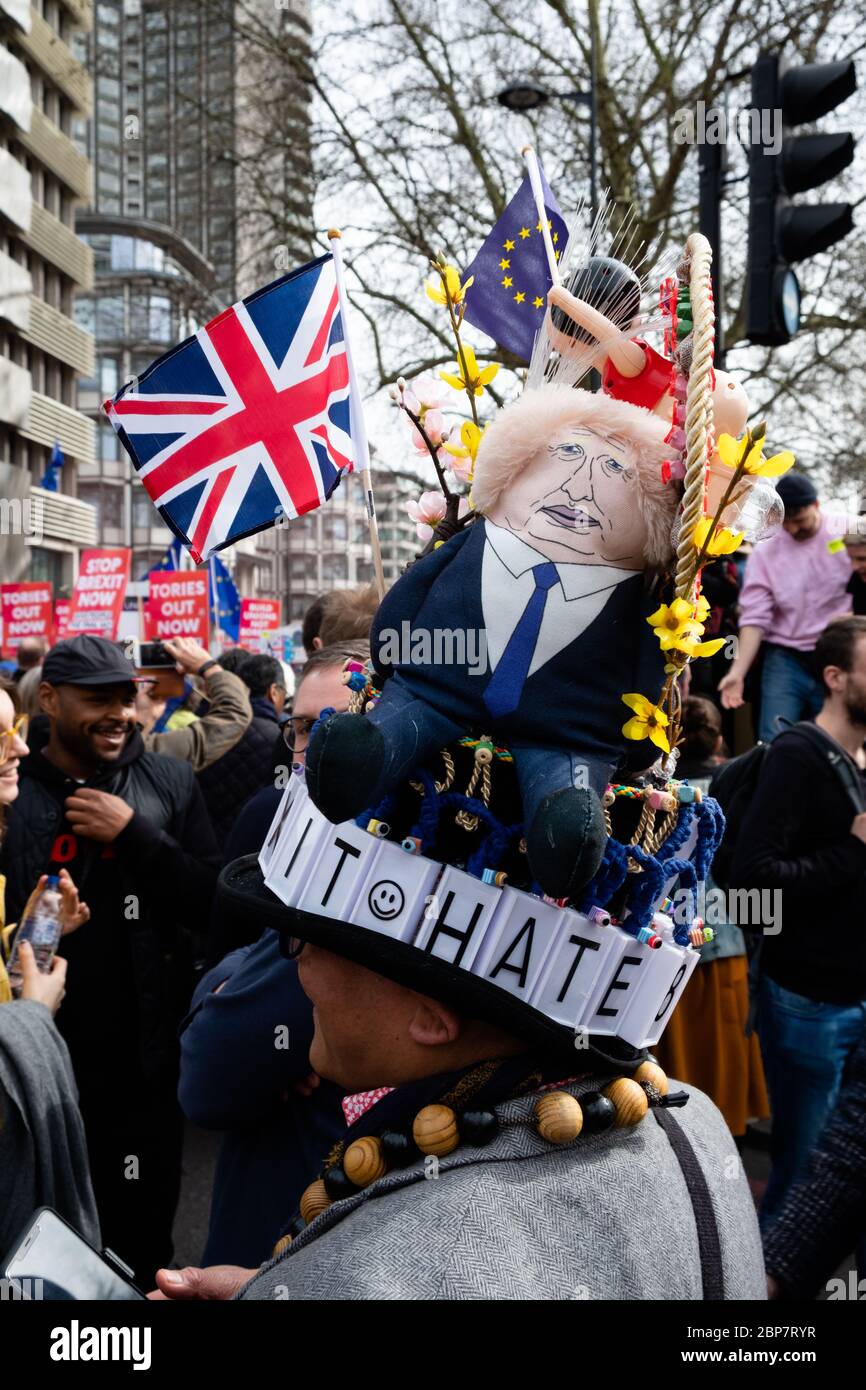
(478, 1127)
(296, 1225)
(398, 1148)
(599, 1112)
(337, 1185)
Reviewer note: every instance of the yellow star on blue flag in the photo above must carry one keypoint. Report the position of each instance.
(509, 295)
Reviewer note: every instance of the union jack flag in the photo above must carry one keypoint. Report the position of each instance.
(249, 419)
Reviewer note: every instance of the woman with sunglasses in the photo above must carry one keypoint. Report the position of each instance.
(49, 988)
(43, 1151)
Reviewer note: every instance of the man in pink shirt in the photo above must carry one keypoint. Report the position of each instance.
(794, 585)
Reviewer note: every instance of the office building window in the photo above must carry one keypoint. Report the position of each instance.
(143, 511)
(109, 444)
(87, 492)
(85, 312)
(47, 567)
(109, 316)
(160, 318)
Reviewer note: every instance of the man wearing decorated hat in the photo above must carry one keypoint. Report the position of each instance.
(510, 1134)
(487, 1156)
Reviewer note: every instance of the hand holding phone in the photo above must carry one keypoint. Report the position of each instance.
(51, 1262)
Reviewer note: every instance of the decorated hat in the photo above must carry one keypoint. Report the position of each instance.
(433, 890)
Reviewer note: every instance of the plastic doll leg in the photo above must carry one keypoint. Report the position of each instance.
(352, 762)
(565, 833)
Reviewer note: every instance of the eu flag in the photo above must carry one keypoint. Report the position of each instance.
(509, 296)
(225, 600)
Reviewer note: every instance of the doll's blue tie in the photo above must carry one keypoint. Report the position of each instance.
(505, 686)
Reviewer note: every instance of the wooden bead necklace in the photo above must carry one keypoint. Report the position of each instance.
(437, 1131)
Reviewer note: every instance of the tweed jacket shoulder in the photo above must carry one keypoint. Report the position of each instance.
(608, 1217)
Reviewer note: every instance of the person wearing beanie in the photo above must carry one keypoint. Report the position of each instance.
(794, 585)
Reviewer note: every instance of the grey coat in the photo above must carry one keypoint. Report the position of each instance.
(43, 1152)
(607, 1217)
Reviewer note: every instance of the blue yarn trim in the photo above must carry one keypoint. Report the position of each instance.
(493, 847)
(324, 715)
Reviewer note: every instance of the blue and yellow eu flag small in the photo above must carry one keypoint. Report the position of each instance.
(509, 295)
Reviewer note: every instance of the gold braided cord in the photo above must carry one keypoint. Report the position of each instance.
(699, 408)
(445, 784)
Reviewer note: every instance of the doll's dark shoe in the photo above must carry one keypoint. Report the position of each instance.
(565, 841)
(343, 764)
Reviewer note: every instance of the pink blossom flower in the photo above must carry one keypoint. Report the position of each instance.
(426, 512)
(460, 468)
(428, 391)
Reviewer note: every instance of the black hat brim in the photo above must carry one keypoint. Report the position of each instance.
(242, 889)
(98, 678)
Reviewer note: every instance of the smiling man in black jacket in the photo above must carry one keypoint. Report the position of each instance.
(132, 827)
(805, 833)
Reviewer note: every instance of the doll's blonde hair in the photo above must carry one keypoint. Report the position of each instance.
(521, 429)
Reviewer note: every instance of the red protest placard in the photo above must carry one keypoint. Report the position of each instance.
(26, 613)
(61, 618)
(177, 606)
(97, 598)
(258, 615)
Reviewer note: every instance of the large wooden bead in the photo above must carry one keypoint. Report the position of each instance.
(629, 1101)
(281, 1247)
(364, 1161)
(558, 1117)
(314, 1200)
(435, 1130)
(651, 1072)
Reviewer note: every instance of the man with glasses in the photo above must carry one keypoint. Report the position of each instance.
(228, 784)
(320, 686)
(276, 1116)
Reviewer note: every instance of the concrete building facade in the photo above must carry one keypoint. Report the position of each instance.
(44, 91)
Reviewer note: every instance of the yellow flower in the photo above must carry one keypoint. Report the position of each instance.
(470, 438)
(730, 451)
(649, 722)
(691, 644)
(475, 379)
(670, 621)
(723, 541)
(680, 625)
(452, 289)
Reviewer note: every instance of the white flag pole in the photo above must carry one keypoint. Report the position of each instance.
(538, 194)
(359, 428)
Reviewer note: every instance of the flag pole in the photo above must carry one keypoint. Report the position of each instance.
(359, 429)
(213, 606)
(538, 194)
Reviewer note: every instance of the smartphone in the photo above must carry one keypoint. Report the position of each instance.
(152, 655)
(50, 1261)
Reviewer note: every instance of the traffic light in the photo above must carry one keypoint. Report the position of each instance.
(781, 232)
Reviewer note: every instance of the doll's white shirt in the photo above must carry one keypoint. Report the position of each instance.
(507, 585)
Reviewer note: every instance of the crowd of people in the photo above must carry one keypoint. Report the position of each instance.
(175, 1006)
